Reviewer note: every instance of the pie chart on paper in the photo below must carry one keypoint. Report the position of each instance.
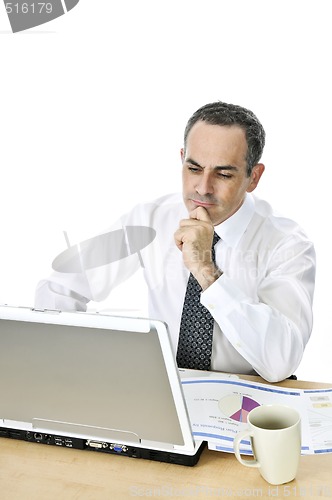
(237, 407)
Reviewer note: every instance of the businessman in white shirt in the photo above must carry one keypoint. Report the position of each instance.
(259, 289)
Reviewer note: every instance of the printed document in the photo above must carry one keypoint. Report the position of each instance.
(218, 406)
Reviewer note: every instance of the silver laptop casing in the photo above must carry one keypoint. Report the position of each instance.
(110, 383)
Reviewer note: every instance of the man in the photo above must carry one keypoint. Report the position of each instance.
(258, 288)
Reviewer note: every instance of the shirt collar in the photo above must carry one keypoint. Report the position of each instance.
(233, 228)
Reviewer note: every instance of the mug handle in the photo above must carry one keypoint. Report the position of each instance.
(237, 440)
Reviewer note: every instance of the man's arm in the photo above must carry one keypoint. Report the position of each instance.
(270, 332)
(91, 270)
(51, 295)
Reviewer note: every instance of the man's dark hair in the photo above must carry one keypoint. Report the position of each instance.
(221, 113)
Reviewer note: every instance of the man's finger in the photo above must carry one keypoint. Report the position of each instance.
(200, 213)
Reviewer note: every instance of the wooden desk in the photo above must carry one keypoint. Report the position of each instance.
(30, 471)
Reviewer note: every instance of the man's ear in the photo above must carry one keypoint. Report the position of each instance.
(255, 176)
(182, 154)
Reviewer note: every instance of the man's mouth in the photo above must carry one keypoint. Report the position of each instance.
(201, 203)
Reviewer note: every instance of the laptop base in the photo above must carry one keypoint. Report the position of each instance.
(103, 446)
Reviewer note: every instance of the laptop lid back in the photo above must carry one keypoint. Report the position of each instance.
(91, 375)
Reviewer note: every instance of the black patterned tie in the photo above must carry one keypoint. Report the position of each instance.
(196, 328)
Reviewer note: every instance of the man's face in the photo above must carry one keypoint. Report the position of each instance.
(214, 172)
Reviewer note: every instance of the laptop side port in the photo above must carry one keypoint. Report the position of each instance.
(98, 445)
(118, 448)
(15, 434)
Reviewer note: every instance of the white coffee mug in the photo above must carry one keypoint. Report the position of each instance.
(275, 435)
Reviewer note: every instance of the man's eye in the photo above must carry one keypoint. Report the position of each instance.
(224, 176)
(194, 169)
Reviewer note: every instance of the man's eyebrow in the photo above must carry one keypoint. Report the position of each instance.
(217, 167)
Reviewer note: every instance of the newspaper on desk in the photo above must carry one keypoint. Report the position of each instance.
(218, 406)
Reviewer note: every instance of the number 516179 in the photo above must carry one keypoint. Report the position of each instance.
(26, 8)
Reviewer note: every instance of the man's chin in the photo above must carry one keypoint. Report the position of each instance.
(216, 218)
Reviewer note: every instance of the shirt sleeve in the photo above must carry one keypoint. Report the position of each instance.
(92, 269)
(272, 329)
(51, 295)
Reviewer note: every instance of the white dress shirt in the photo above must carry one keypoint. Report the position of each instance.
(262, 303)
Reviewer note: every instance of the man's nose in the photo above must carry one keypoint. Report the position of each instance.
(205, 185)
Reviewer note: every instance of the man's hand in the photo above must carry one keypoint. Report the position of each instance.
(194, 238)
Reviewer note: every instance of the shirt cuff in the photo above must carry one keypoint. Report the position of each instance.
(223, 293)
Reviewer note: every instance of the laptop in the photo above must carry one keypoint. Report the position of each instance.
(92, 381)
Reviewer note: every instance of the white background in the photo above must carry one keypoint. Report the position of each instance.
(93, 107)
